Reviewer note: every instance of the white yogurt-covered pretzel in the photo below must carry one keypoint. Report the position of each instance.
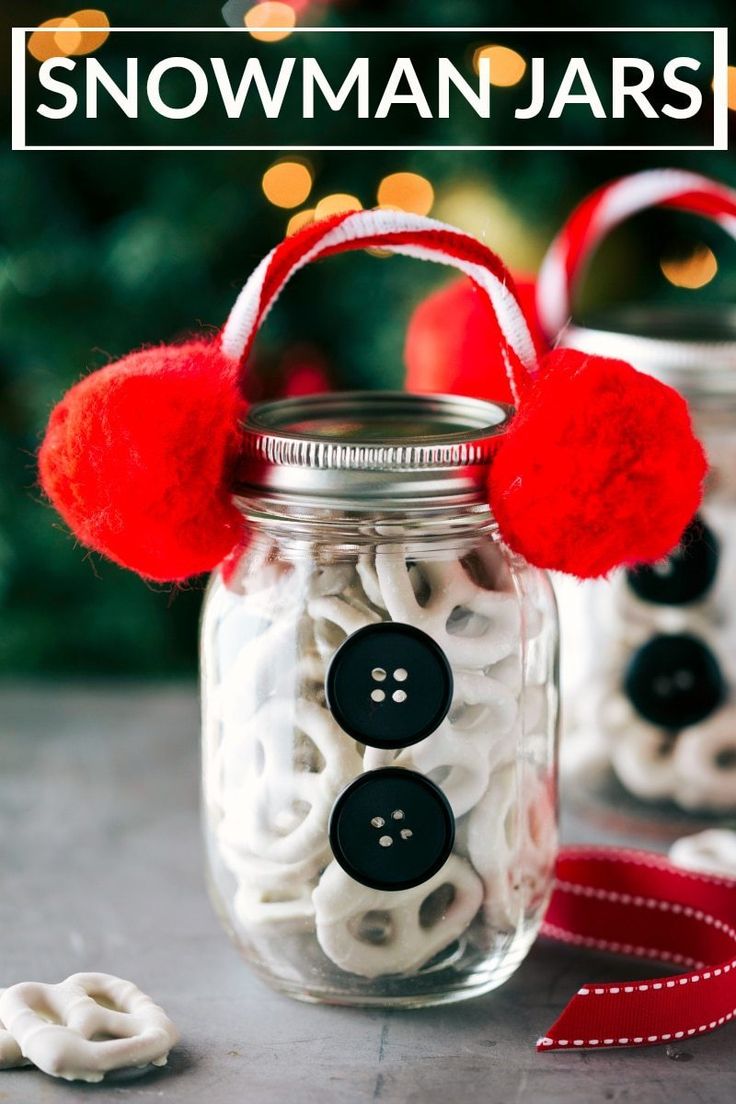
(459, 760)
(474, 627)
(467, 758)
(86, 1026)
(642, 757)
(288, 908)
(259, 875)
(512, 842)
(480, 699)
(262, 662)
(366, 569)
(331, 579)
(374, 932)
(278, 795)
(705, 763)
(712, 851)
(467, 746)
(226, 736)
(491, 847)
(10, 1054)
(271, 893)
(335, 618)
(633, 621)
(261, 570)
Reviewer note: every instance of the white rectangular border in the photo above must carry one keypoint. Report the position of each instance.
(720, 88)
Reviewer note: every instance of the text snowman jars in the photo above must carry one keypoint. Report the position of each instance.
(379, 707)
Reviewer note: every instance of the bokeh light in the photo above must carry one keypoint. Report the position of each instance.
(69, 41)
(691, 272)
(475, 207)
(91, 40)
(272, 13)
(507, 65)
(732, 87)
(42, 45)
(287, 183)
(336, 203)
(300, 219)
(406, 191)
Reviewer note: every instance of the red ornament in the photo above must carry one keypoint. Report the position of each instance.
(304, 374)
(599, 468)
(136, 455)
(453, 342)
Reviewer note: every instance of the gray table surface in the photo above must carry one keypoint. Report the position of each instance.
(101, 869)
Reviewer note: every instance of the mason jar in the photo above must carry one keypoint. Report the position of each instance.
(379, 685)
(650, 654)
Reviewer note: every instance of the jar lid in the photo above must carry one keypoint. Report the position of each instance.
(692, 349)
(382, 446)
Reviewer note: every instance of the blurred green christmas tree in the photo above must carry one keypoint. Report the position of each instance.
(103, 252)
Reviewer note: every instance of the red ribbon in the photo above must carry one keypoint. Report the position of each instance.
(636, 903)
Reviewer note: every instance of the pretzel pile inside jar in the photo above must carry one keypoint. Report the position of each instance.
(276, 758)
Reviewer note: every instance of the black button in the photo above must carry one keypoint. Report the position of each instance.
(392, 829)
(685, 575)
(674, 681)
(389, 685)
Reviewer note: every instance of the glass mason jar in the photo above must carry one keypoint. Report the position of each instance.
(379, 708)
(650, 655)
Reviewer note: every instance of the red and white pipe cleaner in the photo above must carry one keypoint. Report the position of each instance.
(602, 211)
(397, 232)
(637, 903)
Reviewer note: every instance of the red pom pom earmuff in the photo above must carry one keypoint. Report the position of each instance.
(600, 467)
(454, 345)
(135, 455)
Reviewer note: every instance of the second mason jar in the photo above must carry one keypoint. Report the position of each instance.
(650, 655)
(379, 707)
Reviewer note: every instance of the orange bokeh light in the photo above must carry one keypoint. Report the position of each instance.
(43, 45)
(336, 203)
(691, 272)
(300, 219)
(507, 65)
(287, 183)
(91, 40)
(68, 40)
(272, 13)
(406, 191)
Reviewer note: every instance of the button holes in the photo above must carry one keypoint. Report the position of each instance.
(378, 695)
(406, 833)
(397, 814)
(400, 674)
(378, 822)
(385, 841)
(399, 695)
(378, 674)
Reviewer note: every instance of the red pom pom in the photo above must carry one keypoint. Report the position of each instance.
(453, 342)
(135, 459)
(599, 468)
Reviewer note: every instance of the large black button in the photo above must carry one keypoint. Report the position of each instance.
(392, 829)
(389, 685)
(674, 681)
(685, 575)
